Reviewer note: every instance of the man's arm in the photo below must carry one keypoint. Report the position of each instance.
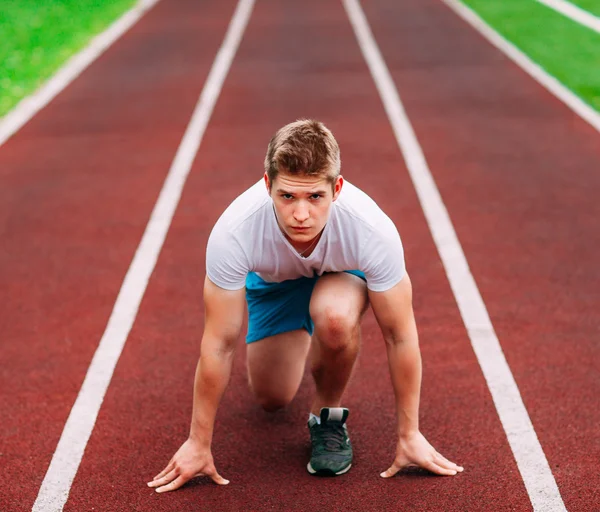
(394, 312)
(224, 315)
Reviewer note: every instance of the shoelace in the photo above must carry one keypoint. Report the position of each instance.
(332, 435)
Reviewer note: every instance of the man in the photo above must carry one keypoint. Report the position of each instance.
(308, 252)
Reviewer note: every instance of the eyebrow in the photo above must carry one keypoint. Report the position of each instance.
(312, 192)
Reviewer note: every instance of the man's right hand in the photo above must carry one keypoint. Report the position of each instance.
(191, 460)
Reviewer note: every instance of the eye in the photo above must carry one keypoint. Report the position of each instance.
(287, 196)
(315, 196)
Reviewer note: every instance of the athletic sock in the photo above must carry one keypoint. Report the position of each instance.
(317, 419)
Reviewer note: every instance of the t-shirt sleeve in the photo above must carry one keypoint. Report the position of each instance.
(226, 263)
(383, 260)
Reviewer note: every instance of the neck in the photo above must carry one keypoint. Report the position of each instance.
(309, 247)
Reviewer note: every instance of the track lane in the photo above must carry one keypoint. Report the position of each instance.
(518, 173)
(78, 184)
(294, 61)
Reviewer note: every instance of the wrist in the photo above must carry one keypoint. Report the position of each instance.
(408, 433)
(407, 423)
(201, 436)
(408, 426)
(199, 440)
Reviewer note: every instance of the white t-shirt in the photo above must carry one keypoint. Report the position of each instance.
(357, 236)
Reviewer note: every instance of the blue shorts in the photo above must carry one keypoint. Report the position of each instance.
(274, 308)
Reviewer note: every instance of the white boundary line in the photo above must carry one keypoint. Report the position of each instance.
(577, 14)
(535, 471)
(31, 105)
(55, 488)
(518, 57)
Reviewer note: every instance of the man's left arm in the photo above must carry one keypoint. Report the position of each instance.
(394, 312)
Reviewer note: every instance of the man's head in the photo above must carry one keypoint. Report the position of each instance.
(302, 174)
(303, 148)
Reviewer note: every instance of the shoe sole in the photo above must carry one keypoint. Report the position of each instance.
(327, 472)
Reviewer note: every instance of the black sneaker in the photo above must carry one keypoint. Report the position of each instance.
(331, 449)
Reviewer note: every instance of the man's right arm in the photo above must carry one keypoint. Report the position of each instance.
(224, 315)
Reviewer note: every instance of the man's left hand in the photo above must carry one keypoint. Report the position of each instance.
(415, 450)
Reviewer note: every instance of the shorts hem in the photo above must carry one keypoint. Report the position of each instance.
(275, 332)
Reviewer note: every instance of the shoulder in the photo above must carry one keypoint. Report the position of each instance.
(356, 207)
(380, 252)
(242, 209)
(230, 242)
(242, 220)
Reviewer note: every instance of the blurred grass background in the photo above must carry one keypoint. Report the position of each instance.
(568, 51)
(38, 36)
(591, 6)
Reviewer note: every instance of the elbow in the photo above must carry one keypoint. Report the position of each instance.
(219, 349)
(395, 338)
(392, 335)
(392, 340)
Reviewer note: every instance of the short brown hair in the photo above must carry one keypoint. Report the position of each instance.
(304, 147)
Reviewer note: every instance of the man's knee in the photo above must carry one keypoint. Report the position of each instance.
(334, 327)
(269, 399)
(336, 307)
(273, 403)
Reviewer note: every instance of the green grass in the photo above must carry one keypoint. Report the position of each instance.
(591, 6)
(38, 36)
(563, 48)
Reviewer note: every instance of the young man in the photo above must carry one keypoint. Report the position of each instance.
(308, 253)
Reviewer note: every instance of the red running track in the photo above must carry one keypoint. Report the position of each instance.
(78, 184)
(519, 173)
(73, 219)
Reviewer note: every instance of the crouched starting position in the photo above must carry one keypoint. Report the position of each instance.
(307, 252)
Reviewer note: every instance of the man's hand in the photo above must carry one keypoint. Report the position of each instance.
(415, 450)
(191, 460)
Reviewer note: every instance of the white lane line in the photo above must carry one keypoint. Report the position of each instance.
(577, 14)
(518, 57)
(31, 105)
(535, 471)
(57, 483)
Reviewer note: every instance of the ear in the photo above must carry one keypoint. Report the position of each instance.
(337, 186)
(267, 183)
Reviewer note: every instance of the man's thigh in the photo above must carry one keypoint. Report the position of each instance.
(278, 339)
(276, 366)
(280, 326)
(277, 308)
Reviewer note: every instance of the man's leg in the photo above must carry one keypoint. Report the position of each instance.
(276, 366)
(278, 339)
(337, 305)
(338, 302)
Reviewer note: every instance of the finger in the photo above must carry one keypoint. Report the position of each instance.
(437, 469)
(391, 471)
(218, 479)
(164, 471)
(175, 484)
(444, 462)
(170, 476)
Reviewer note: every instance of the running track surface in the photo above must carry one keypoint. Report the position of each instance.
(518, 172)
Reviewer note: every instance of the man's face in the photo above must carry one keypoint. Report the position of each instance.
(302, 204)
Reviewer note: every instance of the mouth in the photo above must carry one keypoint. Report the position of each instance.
(300, 228)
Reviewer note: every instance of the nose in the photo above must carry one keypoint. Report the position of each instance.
(301, 212)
